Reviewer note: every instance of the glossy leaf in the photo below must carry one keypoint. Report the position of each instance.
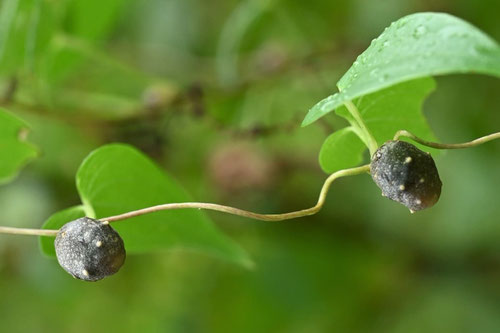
(56, 221)
(342, 149)
(15, 151)
(415, 46)
(117, 178)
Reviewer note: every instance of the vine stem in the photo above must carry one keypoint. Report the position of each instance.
(371, 142)
(210, 206)
(26, 231)
(436, 145)
(267, 217)
(245, 213)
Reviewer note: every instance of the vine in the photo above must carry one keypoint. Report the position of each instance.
(381, 93)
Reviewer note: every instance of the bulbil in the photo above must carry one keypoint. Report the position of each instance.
(406, 174)
(89, 249)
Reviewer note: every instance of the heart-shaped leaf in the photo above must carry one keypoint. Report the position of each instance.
(117, 178)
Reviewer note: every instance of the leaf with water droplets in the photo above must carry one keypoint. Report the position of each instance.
(415, 46)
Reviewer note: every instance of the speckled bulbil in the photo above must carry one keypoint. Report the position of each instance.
(406, 174)
(89, 249)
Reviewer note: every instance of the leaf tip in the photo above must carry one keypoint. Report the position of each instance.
(306, 121)
(310, 118)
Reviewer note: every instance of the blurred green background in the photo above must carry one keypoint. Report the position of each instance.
(215, 91)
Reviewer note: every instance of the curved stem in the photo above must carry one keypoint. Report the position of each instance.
(244, 213)
(469, 144)
(371, 142)
(26, 231)
(216, 207)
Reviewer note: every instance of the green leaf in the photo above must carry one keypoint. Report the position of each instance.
(56, 221)
(415, 46)
(342, 149)
(395, 108)
(15, 151)
(117, 178)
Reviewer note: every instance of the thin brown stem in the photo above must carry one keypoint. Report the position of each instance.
(210, 206)
(244, 213)
(436, 145)
(26, 231)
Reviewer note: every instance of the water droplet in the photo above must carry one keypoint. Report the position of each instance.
(427, 54)
(401, 23)
(386, 43)
(475, 51)
(431, 43)
(383, 78)
(374, 72)
(464, 35)
(419, 31)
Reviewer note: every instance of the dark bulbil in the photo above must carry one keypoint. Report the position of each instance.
(89, 249)
(406, 174)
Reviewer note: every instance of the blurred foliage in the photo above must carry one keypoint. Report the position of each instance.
(153, 74)
(15, 150)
